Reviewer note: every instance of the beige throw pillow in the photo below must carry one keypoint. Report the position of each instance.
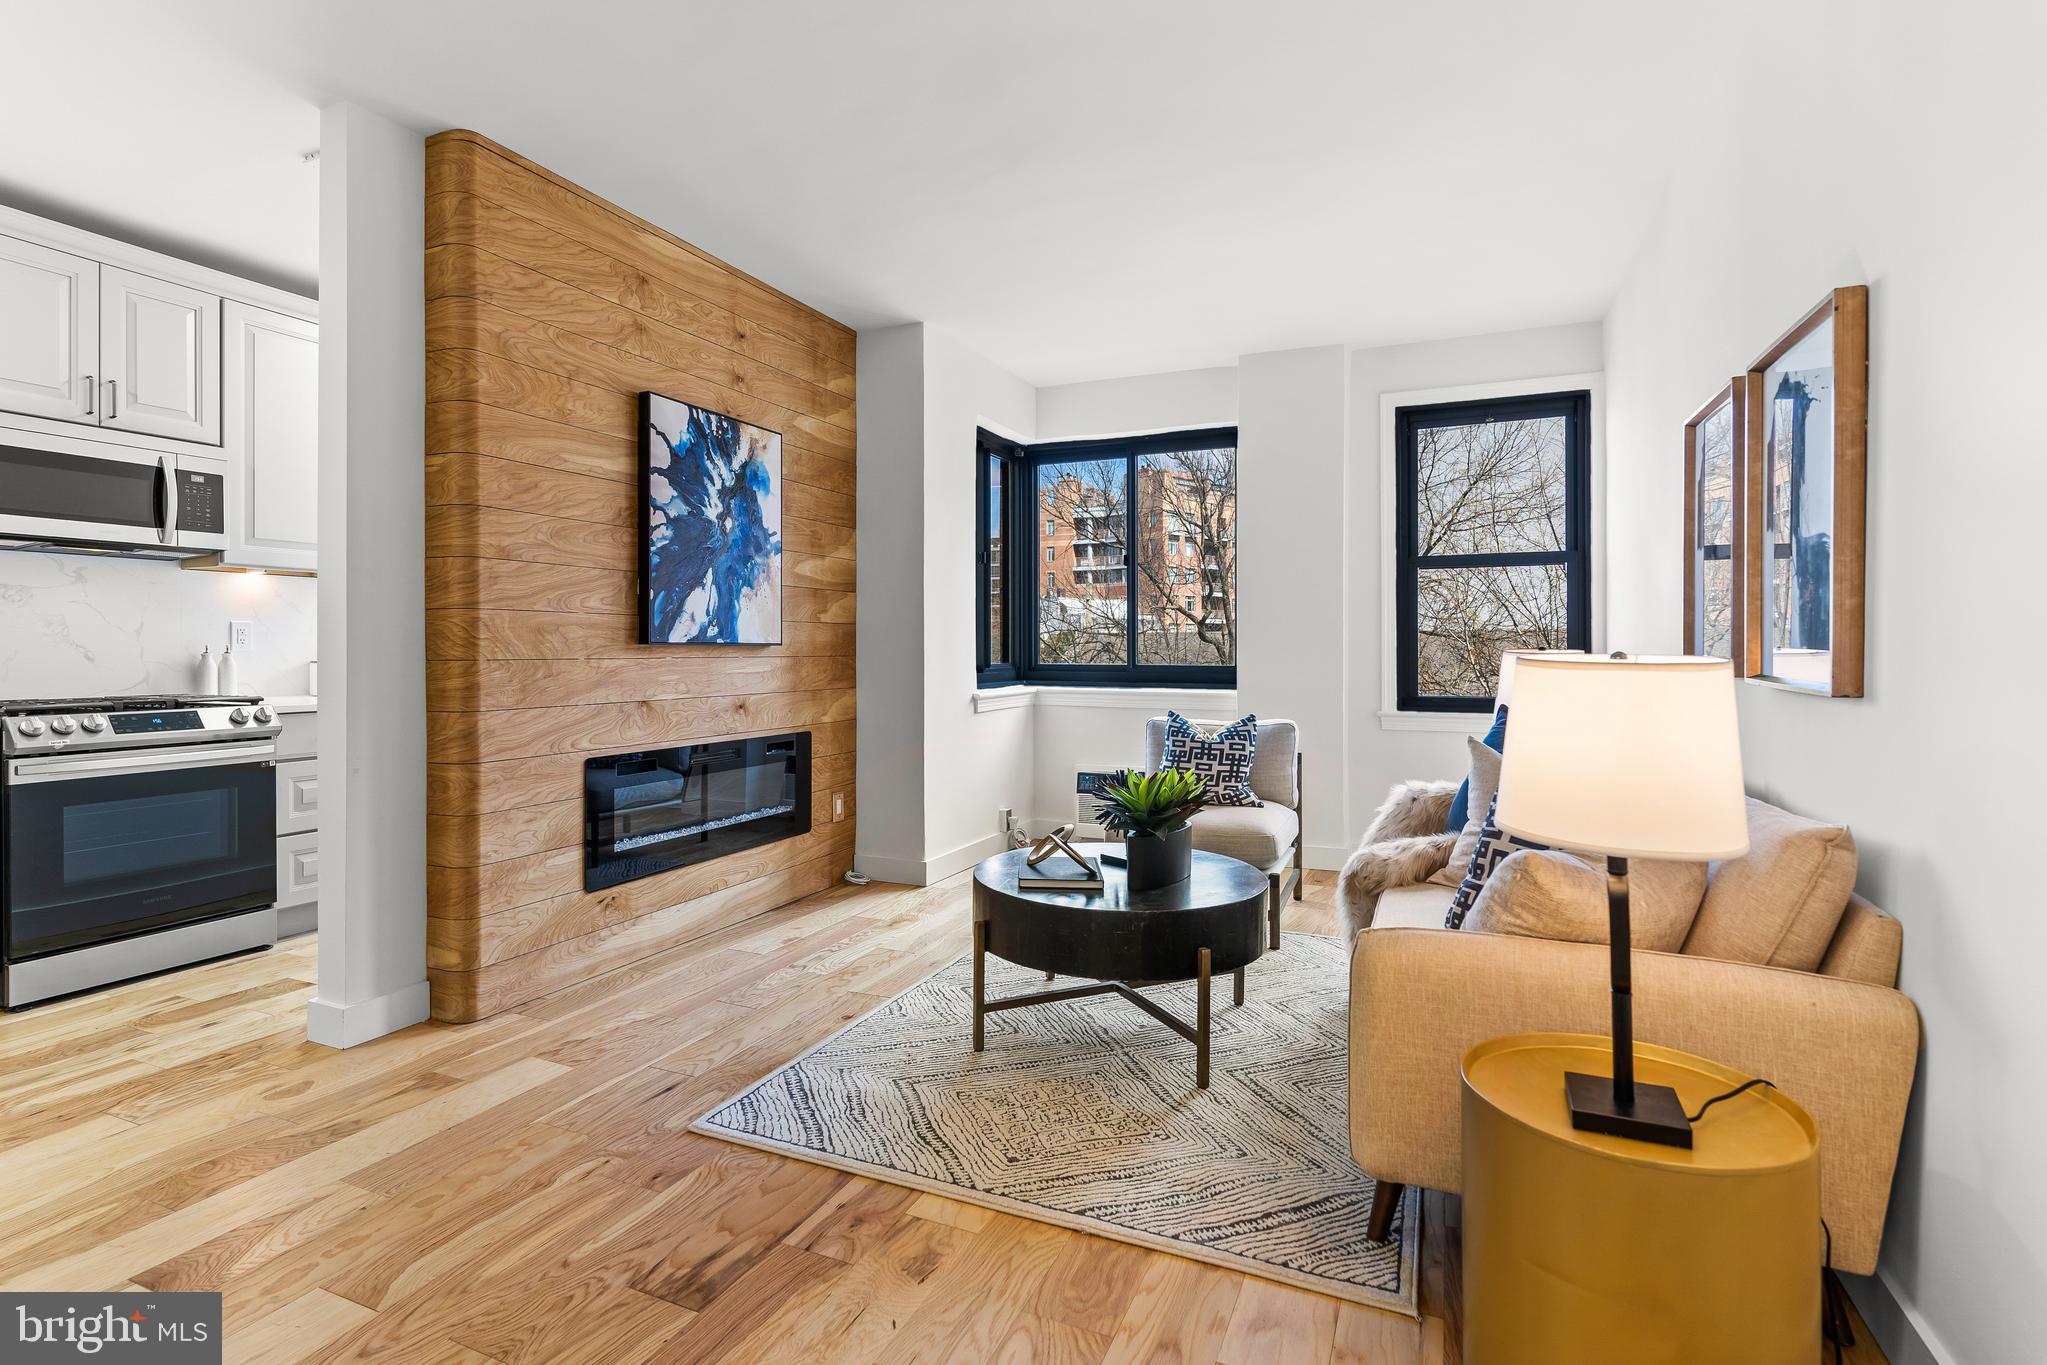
(1485, 782)
(1781, 903)
(1544, 894)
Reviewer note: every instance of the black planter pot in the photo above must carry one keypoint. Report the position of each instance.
(1157, 861)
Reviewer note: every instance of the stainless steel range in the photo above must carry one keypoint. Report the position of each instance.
(136, 834)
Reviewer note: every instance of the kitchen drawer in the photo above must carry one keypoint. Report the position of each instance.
(301, 735)
(298, 796)
(298, 869)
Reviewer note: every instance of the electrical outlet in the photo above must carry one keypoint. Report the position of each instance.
(838, 805)
(240, 635)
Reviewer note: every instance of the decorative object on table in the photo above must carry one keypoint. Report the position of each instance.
(1493, 847)
(1716, 1259)
(1203, 924)
(1153, 813)
(1632, 758)
(1056, 865)
(1064, 1120)
(1223, 754)
(1807, 402)
(711, 563)
(1715, 579)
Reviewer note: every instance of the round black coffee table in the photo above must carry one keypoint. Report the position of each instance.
(1212, 922)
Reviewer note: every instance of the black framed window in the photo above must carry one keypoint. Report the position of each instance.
(1128, 550)
(1492, 536)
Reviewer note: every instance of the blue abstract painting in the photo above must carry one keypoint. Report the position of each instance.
(712, 572)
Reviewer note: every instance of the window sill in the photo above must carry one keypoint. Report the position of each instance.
(1156, 700)
(1446, 722)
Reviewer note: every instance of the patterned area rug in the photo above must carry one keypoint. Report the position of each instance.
(1084, 1113)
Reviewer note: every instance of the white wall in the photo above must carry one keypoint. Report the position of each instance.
(1379, 757)
(1292, 599)
(1139, 404)
(372, 590)
(975, 762)
(889, 635)
(931, 771)
(1908, 160)
(79, 625)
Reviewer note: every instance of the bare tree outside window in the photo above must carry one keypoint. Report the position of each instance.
(1187, 536)
(1490, 502)
(1184, 559)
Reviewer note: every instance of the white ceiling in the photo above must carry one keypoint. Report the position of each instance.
(1077, 190)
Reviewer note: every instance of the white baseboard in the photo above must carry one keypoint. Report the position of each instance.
(916, 872)
(1894, 1322)
(1325, 857)
(339, 1026)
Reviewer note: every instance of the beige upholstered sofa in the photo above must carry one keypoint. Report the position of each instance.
(1269, 836)
(1841, 1040)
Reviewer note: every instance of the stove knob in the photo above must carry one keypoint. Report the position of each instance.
(264, 715)
(94, 724)
(63, 725)
(238, 716)
(30, 726)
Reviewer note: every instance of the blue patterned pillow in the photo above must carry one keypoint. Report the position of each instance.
(1223, 756)
(1495, 846)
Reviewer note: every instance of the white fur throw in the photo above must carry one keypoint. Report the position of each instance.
(1404, 844)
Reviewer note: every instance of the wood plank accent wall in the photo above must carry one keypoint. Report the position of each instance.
(548, 311)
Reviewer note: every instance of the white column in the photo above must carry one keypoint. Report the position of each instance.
(1293, 435)
(372, 579)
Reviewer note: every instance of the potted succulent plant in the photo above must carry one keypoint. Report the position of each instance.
(1153, 812)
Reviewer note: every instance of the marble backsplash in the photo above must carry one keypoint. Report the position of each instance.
(75, 625)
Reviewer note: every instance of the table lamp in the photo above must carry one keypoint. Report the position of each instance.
(1632, 758)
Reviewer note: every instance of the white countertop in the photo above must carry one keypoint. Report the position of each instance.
(292, 706)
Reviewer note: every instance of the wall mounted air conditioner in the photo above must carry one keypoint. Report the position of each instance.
(1087, 807)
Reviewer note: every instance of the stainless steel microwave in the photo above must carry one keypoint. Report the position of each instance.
(60, 493)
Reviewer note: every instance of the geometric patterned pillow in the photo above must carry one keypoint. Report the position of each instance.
(1222, 754)
(1495, 846)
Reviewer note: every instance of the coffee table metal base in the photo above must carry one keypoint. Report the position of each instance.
(1195, 1033)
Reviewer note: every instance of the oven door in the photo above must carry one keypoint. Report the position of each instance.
(101, 846)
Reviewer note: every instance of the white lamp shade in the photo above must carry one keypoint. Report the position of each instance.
(1504, 690)
(1639, 758)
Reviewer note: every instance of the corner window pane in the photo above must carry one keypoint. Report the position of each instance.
(997, 513)
(1187, 506)
(1082, 615)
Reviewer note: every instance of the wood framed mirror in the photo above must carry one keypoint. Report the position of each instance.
(1715, 446)
(1806, 406)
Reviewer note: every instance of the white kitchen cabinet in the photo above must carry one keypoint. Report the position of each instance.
(159, 357)
(272, 438)
(49, 332)
(298, 796)
(298, 817)
(298, 874)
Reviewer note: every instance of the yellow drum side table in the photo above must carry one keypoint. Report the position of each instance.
(1583, 1248)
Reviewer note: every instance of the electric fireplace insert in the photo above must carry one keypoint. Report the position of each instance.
(656, 809)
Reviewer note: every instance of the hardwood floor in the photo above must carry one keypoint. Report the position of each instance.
(523, 1190)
